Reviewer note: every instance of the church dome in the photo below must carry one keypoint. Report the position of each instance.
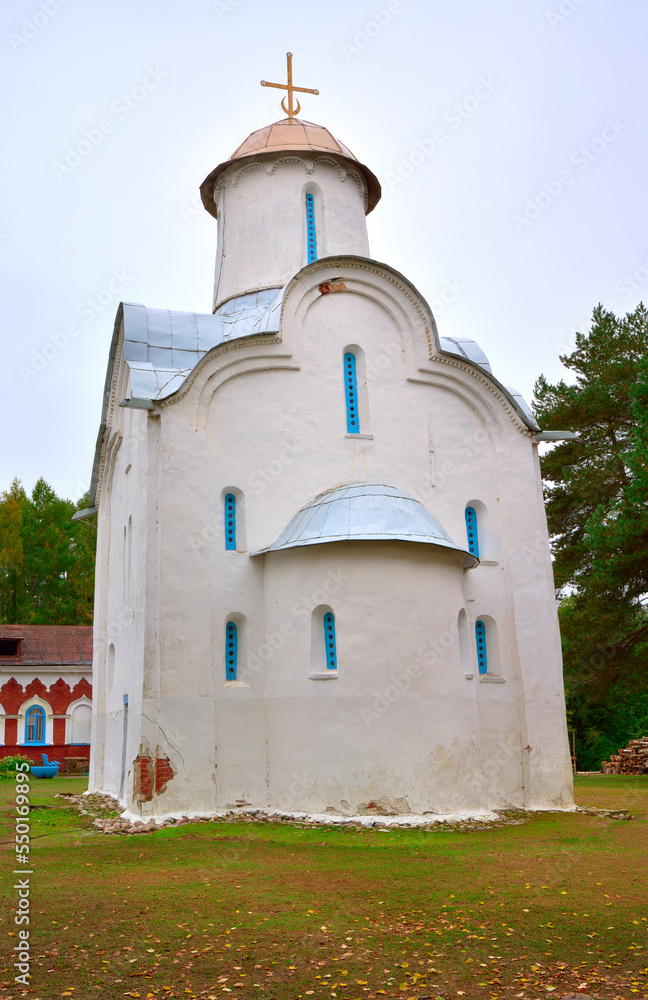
(291, 135)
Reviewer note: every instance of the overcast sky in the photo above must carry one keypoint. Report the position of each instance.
(509, 137)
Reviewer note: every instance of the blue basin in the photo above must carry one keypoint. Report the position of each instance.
(44, 770)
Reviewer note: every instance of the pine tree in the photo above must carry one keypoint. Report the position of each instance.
(619, 538)
(596, 490)
(590, 473)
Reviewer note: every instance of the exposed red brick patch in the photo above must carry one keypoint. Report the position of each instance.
(151, 775)
(164, 772)
(143, 778)
(332, 286)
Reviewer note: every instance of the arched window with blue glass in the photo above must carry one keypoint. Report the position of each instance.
(472, 531)
(323, 660)
(482, 652)
(329, 640)
(35, 725)
(482, 539)
(230, 521)
(231, 650)
(311, 234)
(351, 393)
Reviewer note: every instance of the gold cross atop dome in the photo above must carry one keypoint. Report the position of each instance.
(291, 110)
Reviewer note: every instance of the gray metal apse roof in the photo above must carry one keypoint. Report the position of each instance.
(365, 512)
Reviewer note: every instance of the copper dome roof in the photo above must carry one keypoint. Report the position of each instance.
(291, 135)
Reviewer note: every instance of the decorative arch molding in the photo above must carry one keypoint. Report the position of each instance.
(407, 309)
(111, 434)
(477, 390)
(222, 363)
(388, 288)
(118, 366)
(269, 166)
(112, 443)
(410, 312)
(493, 418)
(357, 177)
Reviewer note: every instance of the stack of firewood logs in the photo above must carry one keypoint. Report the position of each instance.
(632, 759)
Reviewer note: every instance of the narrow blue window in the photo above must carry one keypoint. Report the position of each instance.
(329, 639)
(35, 725)
(231, 651)
(471, 531)
(480, 636)
(230, 521)
(351, 390)
(311, 238)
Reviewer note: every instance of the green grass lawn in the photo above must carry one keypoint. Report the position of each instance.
(272, 910)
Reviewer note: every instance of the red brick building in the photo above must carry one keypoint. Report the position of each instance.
(45, 690)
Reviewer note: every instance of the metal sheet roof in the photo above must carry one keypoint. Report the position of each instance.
(461, 347)
(365, 512)
(465, 348)
(163, 346)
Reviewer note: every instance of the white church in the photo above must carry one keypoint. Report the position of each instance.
(324, 581)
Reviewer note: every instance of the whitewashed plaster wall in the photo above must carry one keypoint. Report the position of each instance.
(379, 730)
(267, 417)
(125, 521)
(268, 196)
